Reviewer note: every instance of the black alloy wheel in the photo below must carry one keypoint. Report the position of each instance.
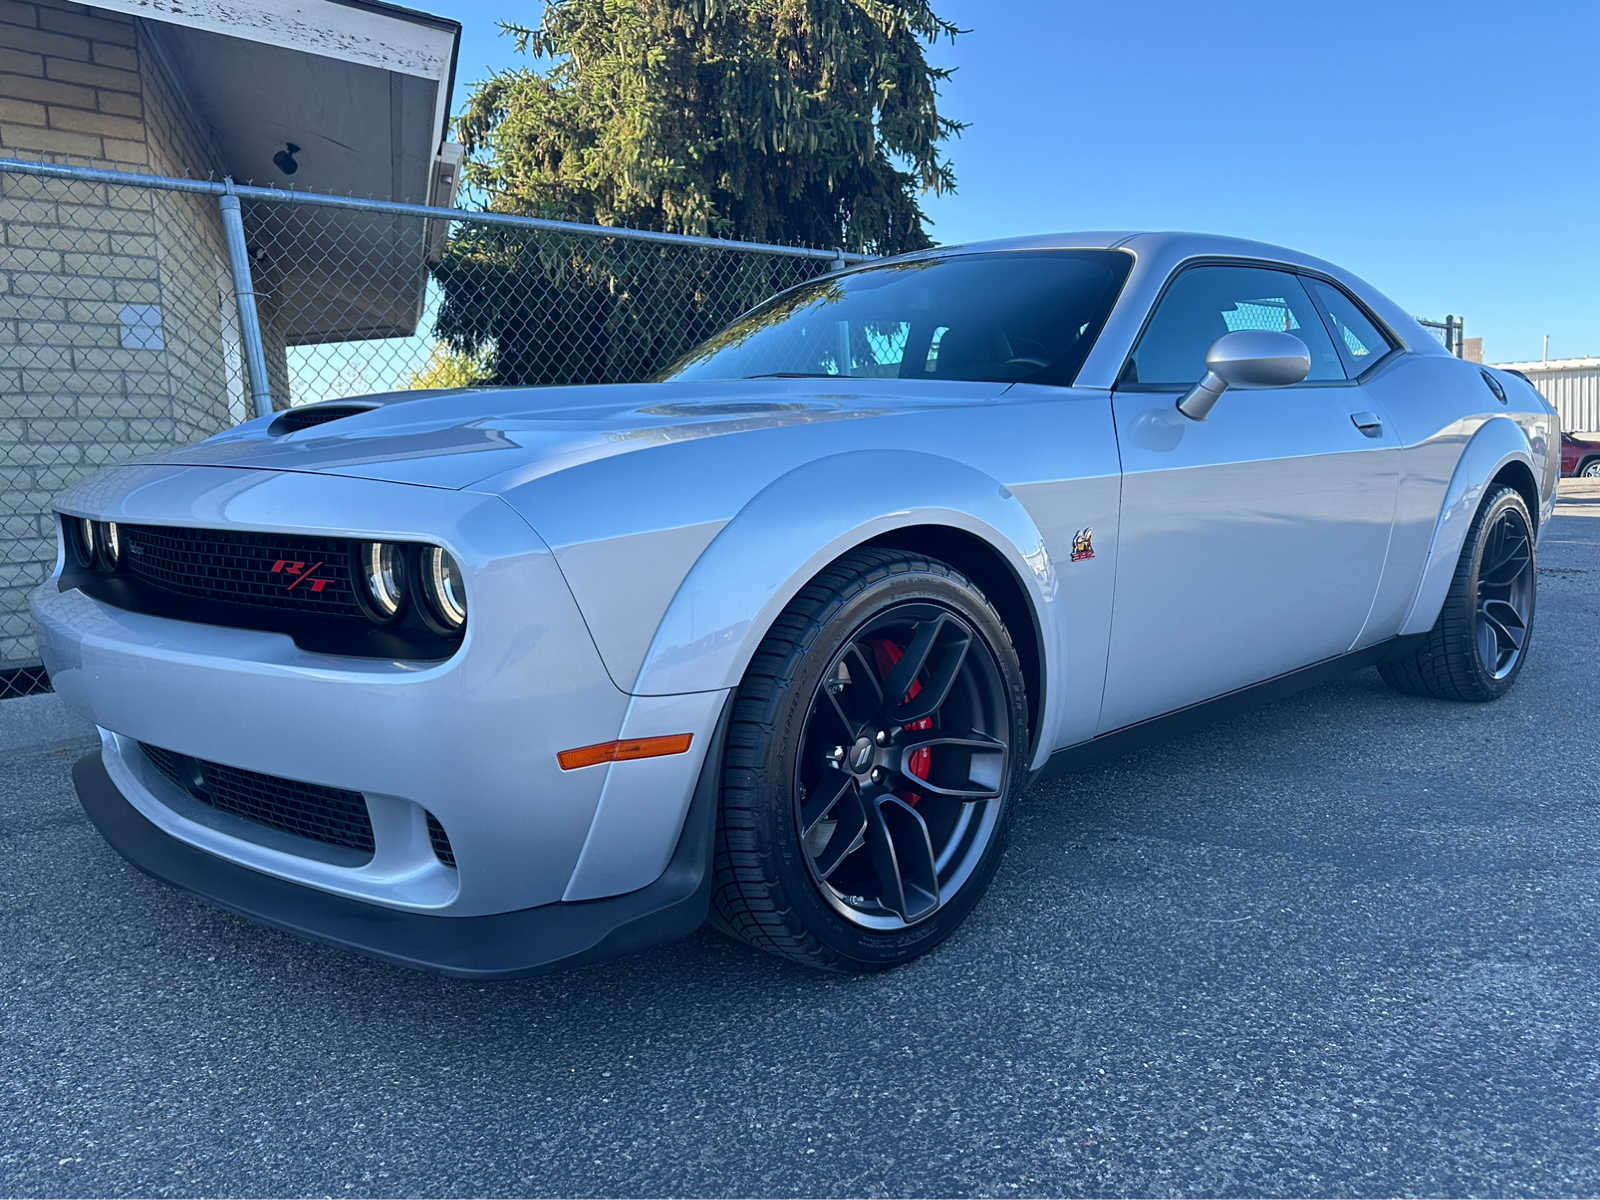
(901, 763)
(1505, 593)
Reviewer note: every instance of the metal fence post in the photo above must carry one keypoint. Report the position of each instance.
(244, 292)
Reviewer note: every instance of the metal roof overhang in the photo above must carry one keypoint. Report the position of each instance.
(363, 89)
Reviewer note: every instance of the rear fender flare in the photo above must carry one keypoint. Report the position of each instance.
(1497, 442)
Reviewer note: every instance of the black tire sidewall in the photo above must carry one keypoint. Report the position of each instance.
(868, 949)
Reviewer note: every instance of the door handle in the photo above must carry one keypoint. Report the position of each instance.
(1368, 423)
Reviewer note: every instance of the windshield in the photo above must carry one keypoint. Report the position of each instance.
(1002, 317)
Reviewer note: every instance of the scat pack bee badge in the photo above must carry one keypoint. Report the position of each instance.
(1083, 544)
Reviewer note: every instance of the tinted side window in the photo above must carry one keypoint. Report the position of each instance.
(1360, 342)
(1204, 303)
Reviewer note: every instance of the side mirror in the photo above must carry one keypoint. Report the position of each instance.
(1246, 358)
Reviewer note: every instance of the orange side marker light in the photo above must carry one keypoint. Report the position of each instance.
(604, 752)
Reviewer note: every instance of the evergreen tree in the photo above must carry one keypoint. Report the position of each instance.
(809, 122)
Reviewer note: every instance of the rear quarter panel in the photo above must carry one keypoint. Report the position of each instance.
(1455, 436)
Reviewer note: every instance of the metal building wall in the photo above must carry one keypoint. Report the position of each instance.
(1572, 385)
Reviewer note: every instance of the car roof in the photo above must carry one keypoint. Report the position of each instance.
(1155, 243)
(1160, 252)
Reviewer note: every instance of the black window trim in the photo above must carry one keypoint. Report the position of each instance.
(1397, 344)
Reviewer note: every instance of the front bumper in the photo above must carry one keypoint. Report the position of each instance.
(494, 946)
(472, 739)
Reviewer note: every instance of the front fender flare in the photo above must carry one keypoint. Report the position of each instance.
(1497, 442)
(804, 520)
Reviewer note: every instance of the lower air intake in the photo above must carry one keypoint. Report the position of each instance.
(328, 815)
(442, 849)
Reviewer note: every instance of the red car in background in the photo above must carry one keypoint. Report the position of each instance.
(1580, 455)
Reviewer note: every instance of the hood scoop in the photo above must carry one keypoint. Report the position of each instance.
(293, 420)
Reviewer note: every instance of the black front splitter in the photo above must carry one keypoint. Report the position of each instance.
(497, 946)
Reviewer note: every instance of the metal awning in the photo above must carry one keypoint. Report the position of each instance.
(362, 89)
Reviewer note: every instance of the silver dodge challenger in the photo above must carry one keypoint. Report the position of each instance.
(491, 681)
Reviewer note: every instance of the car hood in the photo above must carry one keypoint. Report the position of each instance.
(453, 439)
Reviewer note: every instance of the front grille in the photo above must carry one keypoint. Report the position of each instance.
(328, 815)
(312, 574)
(442, 849)
(302, 585)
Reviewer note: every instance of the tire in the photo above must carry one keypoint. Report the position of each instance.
(1590, 469)
(1477, 647)
(773, 851)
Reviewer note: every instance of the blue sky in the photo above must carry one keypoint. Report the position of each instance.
(1445, 151)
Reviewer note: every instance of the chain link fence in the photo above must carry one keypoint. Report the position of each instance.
(139, 313)
(1451, 331)
(369, 300)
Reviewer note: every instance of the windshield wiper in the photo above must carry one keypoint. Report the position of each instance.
(794, 375)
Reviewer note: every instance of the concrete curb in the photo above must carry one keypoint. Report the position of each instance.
(29, 724)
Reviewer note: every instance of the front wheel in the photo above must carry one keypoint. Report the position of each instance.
(1476, 648)
(1590, 469)
(875, 745)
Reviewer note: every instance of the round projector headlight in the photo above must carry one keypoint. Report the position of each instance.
(445, 589)
(110, 539)
(82, 539)
(381, 571)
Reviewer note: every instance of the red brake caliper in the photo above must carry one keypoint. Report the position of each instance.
(885, 655)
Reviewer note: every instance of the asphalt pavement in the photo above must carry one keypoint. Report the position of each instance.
(1343, 945)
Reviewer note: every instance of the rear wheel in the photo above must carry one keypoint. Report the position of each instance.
(1590, 469)
(1476, 649)
(876, 741)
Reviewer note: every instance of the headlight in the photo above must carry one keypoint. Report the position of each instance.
(81, 540)
(443, 586)
(109, 539)
(380, 572)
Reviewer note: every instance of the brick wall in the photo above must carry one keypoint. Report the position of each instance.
(116, 330)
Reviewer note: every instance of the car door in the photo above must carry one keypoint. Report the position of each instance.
(1252, 542)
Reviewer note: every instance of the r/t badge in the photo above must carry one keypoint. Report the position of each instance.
(1083, 545)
